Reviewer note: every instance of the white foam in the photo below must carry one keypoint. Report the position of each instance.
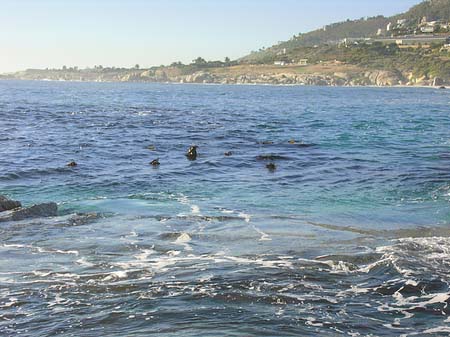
(264, 236)
(440, 329)
(83, 262)
(195, 209)
(183, 238)
(246, 217)
(145, 253)
(121, 274)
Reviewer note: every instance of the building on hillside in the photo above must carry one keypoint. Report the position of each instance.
(280, 63)
(389, 27)
(303, 62)
(379, 32)
(428, 29)
(414, 40)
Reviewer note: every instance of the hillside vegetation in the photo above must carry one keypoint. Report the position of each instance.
(361, 28)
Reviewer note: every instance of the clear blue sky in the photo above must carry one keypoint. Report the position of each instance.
(52, 33)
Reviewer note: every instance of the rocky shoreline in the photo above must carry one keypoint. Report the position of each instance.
(380, 78)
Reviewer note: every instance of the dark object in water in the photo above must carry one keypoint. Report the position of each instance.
(267, 142)
(36, 211)
(292, 141)
(155, 162)
(271, 167)
(8, 204)
(442, 87)
(271, 157)
(228, 154)
(151, 148)
(192, 153)
(72, 164)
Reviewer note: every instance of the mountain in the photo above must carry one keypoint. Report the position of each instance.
(361, 28)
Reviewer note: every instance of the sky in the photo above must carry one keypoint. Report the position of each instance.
(84, 33)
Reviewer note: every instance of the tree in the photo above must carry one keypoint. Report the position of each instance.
(199, 61)
(136, 66)
(227, 59)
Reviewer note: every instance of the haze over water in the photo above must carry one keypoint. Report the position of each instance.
(349, 235)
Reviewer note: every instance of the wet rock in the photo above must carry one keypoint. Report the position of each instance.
(82, 219)
(72, 164)
(8, 204)
(155, 162)
(151, 148)
(442, 87)
(36, 211)
(228, 154)
(192, 153)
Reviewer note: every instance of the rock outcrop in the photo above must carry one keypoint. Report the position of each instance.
(35, 211)
(437, 82)
(383, 78)
(8, 204)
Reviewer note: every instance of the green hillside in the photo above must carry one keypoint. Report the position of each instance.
(361, 28)
(432, 9)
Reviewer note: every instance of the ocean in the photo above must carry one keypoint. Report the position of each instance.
(347, 235)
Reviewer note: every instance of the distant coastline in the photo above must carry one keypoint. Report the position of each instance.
(330, 74)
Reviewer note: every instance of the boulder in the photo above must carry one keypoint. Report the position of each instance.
(383, 78)
(35, 211)
(8, 204)
(437, 82)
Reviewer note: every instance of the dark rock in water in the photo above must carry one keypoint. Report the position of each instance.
(228, 154)
(292, 141)
(267, 142)
(82, 219)
(8, 204)
(442, 87)
(155, 162)
(151, 148)
(192, 153)
(72, 164)
(36, 211)
(271, 167)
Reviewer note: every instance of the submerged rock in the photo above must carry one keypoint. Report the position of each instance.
(35, 211)
(8, 204)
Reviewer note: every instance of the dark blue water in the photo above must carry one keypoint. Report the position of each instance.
(348, 236)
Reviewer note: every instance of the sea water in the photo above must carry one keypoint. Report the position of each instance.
(349, 235)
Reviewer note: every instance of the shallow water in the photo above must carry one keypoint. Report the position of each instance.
(350, 235)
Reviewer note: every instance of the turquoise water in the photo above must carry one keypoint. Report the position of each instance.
(349, 235)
